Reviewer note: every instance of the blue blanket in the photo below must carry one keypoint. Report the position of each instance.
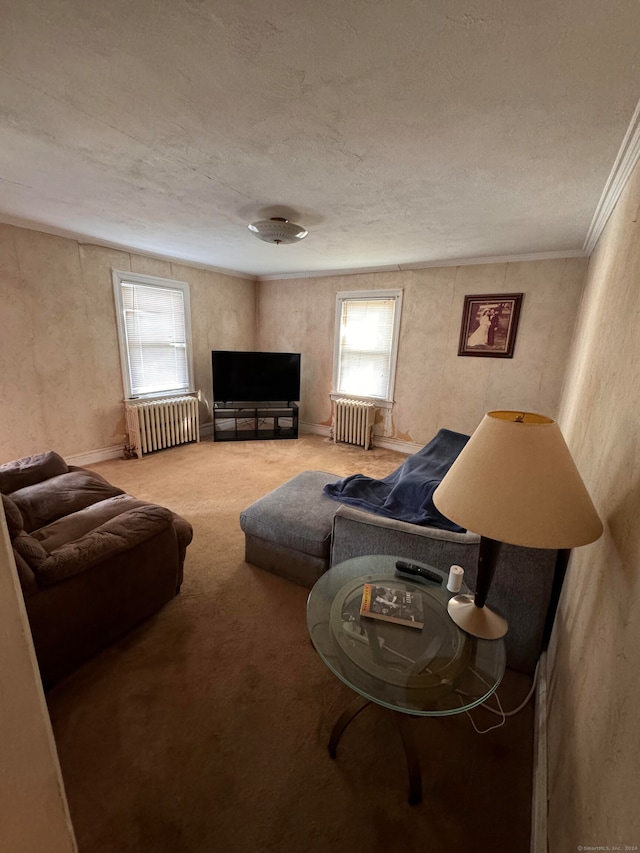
(407, 493)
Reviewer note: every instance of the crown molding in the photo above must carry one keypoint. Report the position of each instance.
(625, 162)
(84, 240)
(454, 262)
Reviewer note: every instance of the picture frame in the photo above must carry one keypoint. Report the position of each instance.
(489, 325)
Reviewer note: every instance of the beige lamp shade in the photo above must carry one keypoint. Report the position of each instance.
(516, 482)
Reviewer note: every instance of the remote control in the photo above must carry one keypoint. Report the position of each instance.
(418, 571)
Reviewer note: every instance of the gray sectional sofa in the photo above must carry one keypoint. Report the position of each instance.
(298, 532)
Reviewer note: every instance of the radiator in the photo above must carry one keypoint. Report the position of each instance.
(156, 424)
(353, 422)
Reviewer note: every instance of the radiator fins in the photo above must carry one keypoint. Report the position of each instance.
(353, 422)
(156, 424)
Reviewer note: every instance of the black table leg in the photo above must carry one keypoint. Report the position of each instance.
(411, 754)
(408, 742)
(343, 721)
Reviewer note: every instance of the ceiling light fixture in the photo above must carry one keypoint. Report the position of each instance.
(278, 230)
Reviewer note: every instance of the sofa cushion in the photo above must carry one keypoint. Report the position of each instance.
(114, 537)
(296, 515)
(13, 515)
(29, 470)
(78, 524)
(44, 502)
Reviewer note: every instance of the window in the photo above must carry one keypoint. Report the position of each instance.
(154, 329)
(366, 343)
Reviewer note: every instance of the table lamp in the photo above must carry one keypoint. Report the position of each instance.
(516, 482)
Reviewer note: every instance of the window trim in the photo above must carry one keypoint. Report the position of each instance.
(368, 295)
(120, 276)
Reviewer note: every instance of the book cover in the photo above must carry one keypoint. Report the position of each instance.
(392, 604)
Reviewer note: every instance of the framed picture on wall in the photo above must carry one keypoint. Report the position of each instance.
(489, 325)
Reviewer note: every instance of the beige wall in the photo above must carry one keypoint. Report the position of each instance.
(434, 386)
(60, 383)
(33, 809)
(594, 687)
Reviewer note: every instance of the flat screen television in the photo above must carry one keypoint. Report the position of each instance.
(242, 377)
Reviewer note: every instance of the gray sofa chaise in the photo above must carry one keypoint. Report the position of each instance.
(298, 532)
(93, 562)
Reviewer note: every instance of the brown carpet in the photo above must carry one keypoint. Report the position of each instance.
(206, 728)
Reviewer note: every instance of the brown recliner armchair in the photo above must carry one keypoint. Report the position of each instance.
(93, 561)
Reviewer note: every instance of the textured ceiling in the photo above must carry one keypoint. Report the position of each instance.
(398, 133)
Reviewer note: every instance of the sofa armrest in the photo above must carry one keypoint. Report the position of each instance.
(356, 532)
(521, 590)
(26, 576)
(114, 537)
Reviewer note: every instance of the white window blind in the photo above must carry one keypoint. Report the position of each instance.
(367, 345)
(154, 335)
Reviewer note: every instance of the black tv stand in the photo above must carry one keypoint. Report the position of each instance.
(258, 420)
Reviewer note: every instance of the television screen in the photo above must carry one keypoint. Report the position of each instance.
(255, 376)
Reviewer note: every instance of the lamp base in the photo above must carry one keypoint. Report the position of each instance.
(477, 621)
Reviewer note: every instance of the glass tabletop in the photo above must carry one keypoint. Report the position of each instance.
(431, 671)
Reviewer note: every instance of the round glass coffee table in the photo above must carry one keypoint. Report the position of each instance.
(432, 671)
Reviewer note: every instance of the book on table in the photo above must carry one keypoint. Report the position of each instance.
(392, 604)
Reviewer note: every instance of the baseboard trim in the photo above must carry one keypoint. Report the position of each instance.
(116, 451)
(539, 799)
(406, 447)
(315, 429)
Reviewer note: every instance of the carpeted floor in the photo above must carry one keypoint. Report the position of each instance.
(206, 728)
